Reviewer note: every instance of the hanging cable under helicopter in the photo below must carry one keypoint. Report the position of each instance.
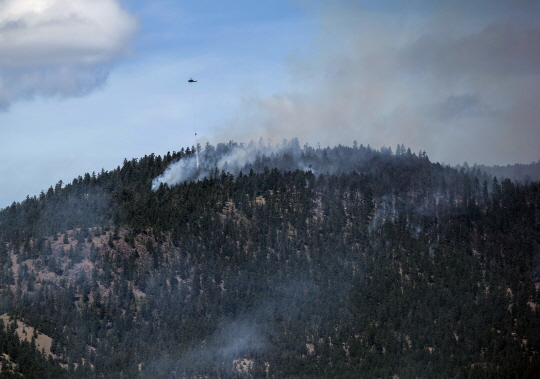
(194, 121)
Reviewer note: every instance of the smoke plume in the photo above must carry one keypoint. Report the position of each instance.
(230, 158)
(457, 79)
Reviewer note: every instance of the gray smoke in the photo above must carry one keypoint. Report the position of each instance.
(454, 78)
(245, 336)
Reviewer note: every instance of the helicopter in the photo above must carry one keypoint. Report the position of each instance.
(192, 81)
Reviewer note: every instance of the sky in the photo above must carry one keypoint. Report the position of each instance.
(85, 84)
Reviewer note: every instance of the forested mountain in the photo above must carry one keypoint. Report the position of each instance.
(523, 173)
(291, 263)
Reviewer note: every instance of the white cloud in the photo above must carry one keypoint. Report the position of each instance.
(59, 47)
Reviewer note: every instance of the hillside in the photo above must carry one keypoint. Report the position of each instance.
(281, 262)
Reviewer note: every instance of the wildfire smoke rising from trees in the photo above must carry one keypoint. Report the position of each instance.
(367, 260)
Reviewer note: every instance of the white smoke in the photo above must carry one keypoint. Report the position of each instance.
(183, 170)
(231, 158)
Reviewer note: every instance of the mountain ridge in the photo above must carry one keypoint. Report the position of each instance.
(388, 265)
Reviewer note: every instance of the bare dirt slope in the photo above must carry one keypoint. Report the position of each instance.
(26, 332)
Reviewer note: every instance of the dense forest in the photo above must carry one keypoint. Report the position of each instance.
(296, 262)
